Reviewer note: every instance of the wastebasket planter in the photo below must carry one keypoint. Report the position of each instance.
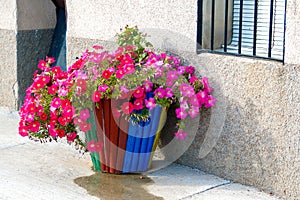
(126, 146)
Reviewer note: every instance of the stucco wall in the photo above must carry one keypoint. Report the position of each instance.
(8, 86)
(252, 135)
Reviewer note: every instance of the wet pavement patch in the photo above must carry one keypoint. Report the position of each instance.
(121, 187)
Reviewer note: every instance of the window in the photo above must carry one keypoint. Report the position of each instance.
(242, 27)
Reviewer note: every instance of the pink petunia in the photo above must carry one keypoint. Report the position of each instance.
(194, 112)
(128, 68)
(99, 146)
(160, 93)
(186, 90)
(23, 131)
(210, 101)
(107, 74)
(62, 121)
(189, 69)
(148, 85)
(84, 114)
(172, 75)
(180, 135)
(53, 89)
(202, 96)
(34, 126)
(150, 103)
(71, 137)
(61, 133)
(96, 96)
(52, 132)
(181, 69)
(127, 108)
(85, 127)
(43, 116)
(56, 70)
(193, 100)
(68, 111)
(91, 145)
(63, 91)
(55, 103)
(180, 113)
(65, 103)
(50, 59)
(169, 92)
(138, 104)
(120, 73)
(138, 92)
(103, 88)
(42, 64)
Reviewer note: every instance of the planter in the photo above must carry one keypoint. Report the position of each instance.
(127, 147)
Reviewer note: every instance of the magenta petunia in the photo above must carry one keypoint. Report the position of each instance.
(50, 59)
(172, 75)
(150, 103)
(189, 69)
(160, 93)
(180, 113)
(180, 135)
(138, 92)
(129, 68)
(56, 102)
(34, 126)
(96, 96)
(62, 120)
(169, 92)
(120, 73)
(103, 88)
(210, 101)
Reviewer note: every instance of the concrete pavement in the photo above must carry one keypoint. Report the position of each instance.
(30, 170)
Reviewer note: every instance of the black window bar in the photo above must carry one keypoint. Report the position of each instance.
(260, 47)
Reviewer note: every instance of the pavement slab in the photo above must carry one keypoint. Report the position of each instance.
(35, 171)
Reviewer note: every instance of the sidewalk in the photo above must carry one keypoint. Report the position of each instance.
(30, 170)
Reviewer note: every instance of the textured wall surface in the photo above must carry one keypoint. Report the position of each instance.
(8, 71)
(35, 14)
(252, 135)
(8, 10)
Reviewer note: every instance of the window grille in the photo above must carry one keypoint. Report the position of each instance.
(253, 28)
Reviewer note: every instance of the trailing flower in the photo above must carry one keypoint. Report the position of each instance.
(47, 112)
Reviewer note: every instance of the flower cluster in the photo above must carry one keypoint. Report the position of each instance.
(139, 79)
(47, 112)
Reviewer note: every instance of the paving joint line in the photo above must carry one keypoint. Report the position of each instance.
(208, 189)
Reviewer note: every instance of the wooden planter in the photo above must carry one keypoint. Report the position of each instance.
(127, 147)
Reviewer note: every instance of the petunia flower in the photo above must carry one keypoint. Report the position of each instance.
(138, 92)
(96, 96)
(34, 126)
(180, 113)
(71, 136)
(138, 104)
(180, 135)
(194, 111)
(127, 108)
(160, 93)
(84, 114)
(150, 103)
(91, 145)
(210, 101)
